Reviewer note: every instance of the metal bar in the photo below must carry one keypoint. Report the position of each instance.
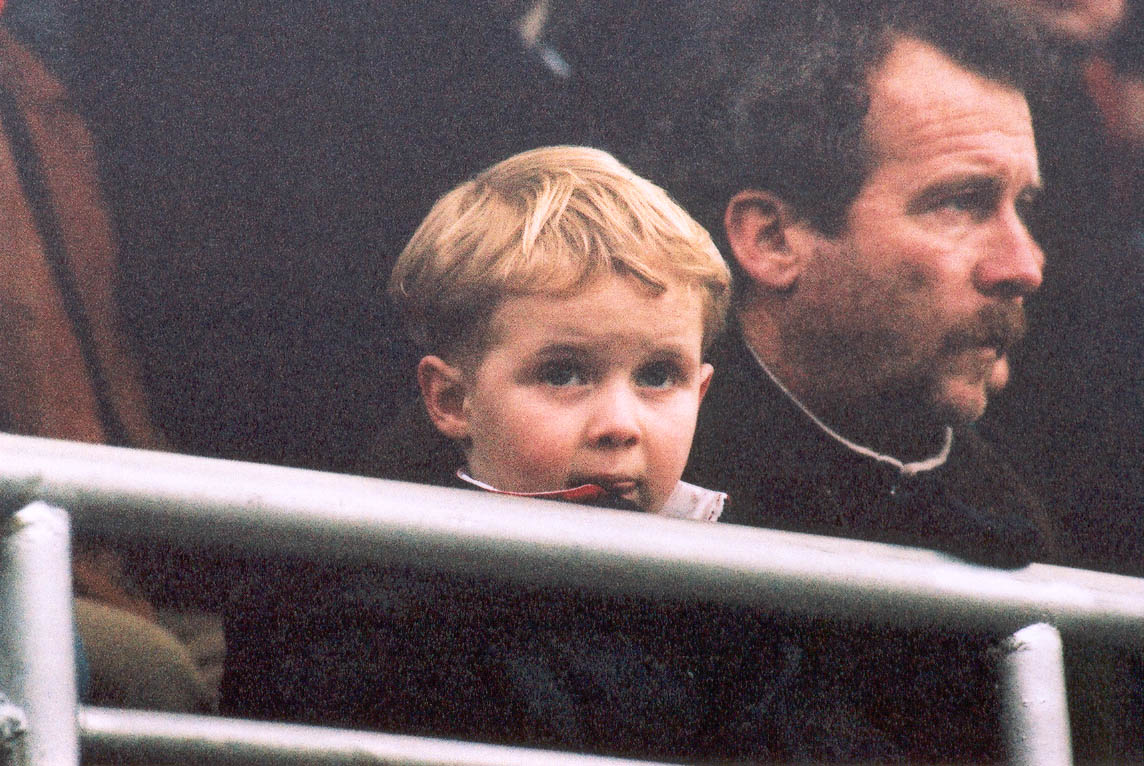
(244, 507)
(128, 736)
(37, 649)
(1035, 714)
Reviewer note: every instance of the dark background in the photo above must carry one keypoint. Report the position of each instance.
(265, 161)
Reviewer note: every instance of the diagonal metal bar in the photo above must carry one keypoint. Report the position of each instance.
(256, 508)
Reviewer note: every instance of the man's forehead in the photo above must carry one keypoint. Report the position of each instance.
(921, 96)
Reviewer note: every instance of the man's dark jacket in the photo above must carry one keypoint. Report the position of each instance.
(931, 694)
(781, 470)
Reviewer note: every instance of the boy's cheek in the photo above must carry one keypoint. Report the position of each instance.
(686, 407)
(541, 454)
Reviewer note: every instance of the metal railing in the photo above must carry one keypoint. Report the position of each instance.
(267, 509)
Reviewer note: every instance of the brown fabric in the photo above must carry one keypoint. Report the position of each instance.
(137, 663)
(45, 387)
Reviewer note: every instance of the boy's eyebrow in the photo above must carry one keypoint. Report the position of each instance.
(563, 344)
(674, 352)
(557, 349)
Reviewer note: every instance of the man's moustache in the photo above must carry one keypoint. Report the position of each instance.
(999, 326)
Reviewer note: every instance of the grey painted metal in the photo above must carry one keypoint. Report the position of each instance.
(161, 738)
(1035, 714)
(37, 649)
(259, 508)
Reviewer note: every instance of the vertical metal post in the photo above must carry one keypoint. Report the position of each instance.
(1036, 716)
(37, 634)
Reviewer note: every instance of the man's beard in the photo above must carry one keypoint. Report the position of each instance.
(877, 372)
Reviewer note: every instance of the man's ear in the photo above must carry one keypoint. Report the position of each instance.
(443, 390)
(759, 230)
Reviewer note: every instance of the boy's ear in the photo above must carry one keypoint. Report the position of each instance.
(443, 390)
(705, 373)
(761, 232)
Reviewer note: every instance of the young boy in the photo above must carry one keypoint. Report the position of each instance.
(566, 304)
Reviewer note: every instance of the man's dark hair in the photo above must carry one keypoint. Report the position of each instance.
(775, 98)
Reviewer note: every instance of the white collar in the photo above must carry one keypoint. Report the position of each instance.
(906, 469)
(687, 501)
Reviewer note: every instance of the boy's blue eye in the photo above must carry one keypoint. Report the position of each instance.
(658, 375)
(562, 374)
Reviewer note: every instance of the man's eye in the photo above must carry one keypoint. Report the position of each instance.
(658, 375)
(977, 202)
(562, 374)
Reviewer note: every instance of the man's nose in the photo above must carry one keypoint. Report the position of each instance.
(1013, 263)
(615, 420)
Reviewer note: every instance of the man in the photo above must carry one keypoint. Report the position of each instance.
(877, 220)
(873, 168)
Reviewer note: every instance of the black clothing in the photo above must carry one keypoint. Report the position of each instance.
(412, 652)
(448, 655)
(782, 471)
(441, 655)
(931, 693)
(412, 449)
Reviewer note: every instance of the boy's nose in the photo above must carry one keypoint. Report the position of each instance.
(615, 417)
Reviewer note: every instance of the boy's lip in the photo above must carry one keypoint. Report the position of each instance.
(616, 485)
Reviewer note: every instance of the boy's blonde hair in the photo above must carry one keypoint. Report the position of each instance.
(550, 221)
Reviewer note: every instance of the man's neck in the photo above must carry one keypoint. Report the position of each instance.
(889, 426)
